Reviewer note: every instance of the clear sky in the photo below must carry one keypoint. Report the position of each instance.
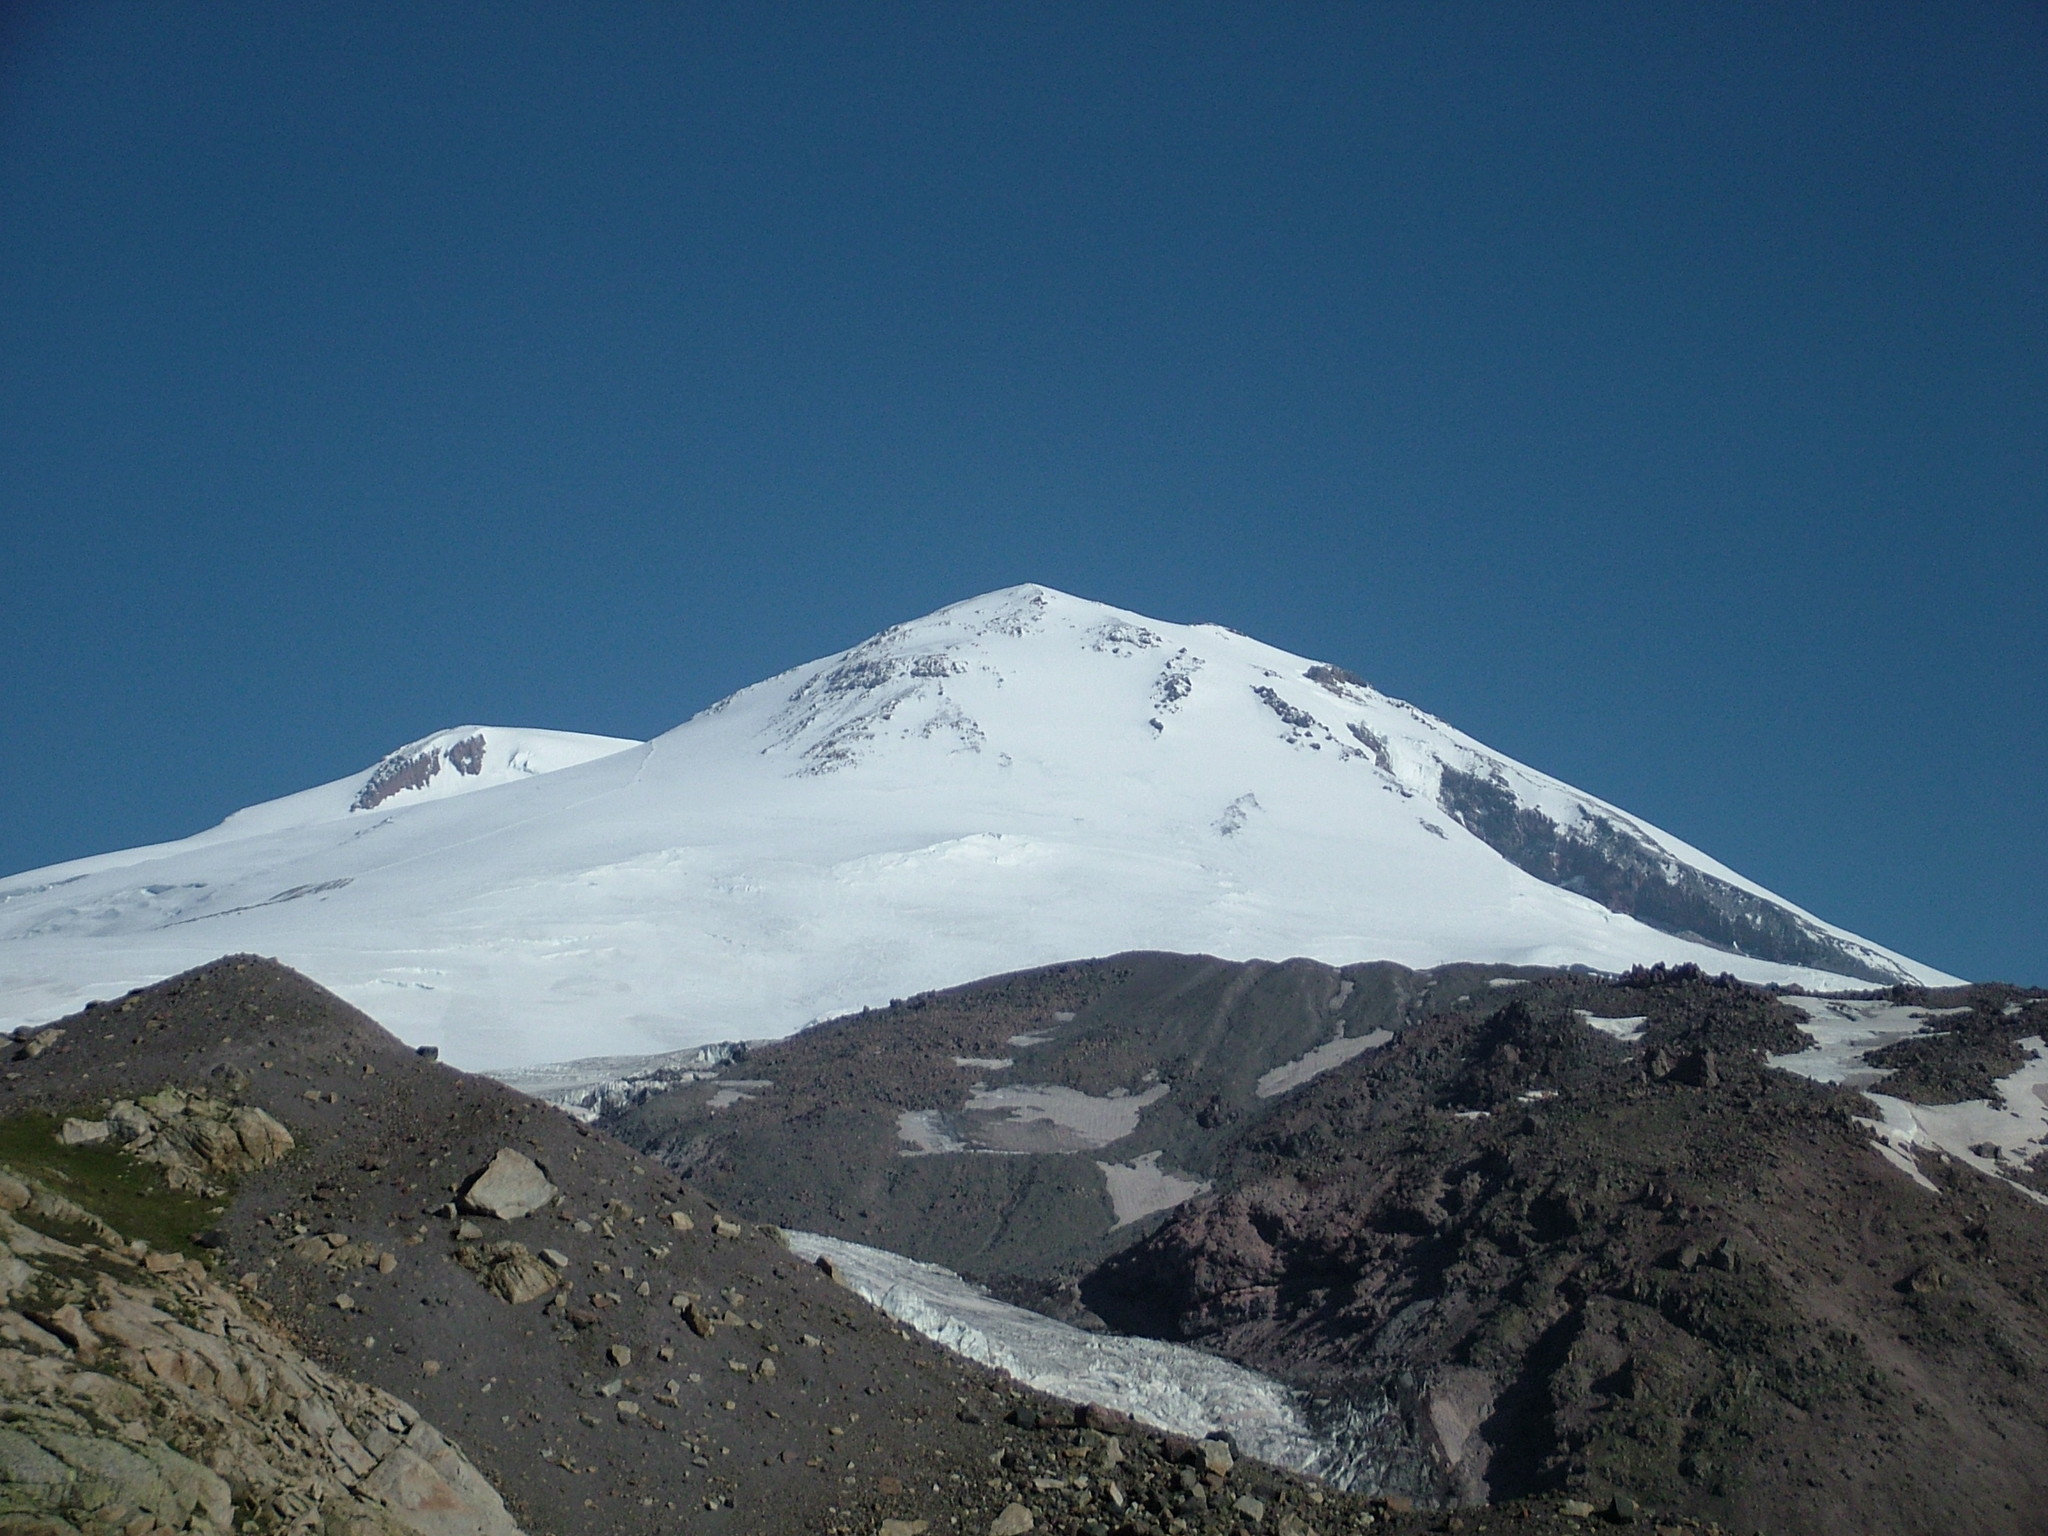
(1657, 392)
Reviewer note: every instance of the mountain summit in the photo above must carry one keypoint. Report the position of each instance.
(1021, 778)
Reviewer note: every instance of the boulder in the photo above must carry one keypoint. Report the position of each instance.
(509, 1270)
(263, 1139)
(510, 1186)
(414, 1490)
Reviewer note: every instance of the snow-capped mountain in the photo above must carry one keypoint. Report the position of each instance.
(1022, 778)
(437, 767)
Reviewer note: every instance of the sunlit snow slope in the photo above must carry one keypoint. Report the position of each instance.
(1023, 778)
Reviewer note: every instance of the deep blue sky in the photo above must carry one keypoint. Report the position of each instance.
(1657, 392)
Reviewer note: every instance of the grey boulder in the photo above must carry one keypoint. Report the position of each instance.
(511, 1186)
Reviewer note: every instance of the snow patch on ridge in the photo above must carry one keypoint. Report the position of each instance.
(1629, 1028)
(1846, 1030)
(1142, 1188)
(1313, 1064)
(2013, 1122)
(1023, 1118)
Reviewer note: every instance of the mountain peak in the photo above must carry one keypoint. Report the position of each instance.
(1021, 778)
(483, 755)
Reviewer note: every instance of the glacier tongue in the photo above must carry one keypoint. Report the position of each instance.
(1168, 1386)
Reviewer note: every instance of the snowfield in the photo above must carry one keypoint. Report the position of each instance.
(1016, 780)
(2012, 1125)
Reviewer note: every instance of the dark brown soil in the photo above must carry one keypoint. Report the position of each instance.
(802, 1411)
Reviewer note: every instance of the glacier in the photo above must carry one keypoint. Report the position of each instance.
(1170, 1387)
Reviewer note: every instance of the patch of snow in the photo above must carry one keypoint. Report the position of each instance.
(1167, 1386)
(1024, 1118)
(1846, 1030)
(1622, 1029)
(733, 1089)
(1331, 1053)
(986, 1063)
(1027, 1117)
(1506, 981)
(2014, 1121)
(927, 1133)
(1141, 1188)
(1025, 1042)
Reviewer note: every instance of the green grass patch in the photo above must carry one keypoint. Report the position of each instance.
(125, 1192)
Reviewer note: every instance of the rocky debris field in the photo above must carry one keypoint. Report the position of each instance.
(356, 1296)
(1511, 1252)
(1536, 1256)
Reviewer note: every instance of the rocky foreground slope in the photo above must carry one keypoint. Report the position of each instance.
(139, 1396)
(1520, 1233)
(269, 1269)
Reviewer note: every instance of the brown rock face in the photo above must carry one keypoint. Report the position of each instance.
(1532, 1258)
(399, 772)
(509, 1270)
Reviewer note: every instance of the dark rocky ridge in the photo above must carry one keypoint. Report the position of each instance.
(1670, 1271)
(401, 771)
(861, 1426)
(1624, 873)
(1664, 1268)
(819, 1147)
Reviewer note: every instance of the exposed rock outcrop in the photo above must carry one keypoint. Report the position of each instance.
(197, 1141)
(137, 1395)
